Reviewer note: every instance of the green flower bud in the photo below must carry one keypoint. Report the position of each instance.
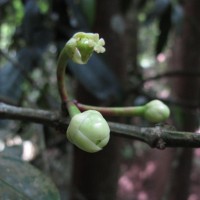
(156, 111)
(81, 46)
(89, 131)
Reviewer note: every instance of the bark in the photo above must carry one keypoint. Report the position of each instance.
(95, 175)
(158, 137)
(163, 160)
(186, 89)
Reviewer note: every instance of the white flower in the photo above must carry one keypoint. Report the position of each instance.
(81, 46)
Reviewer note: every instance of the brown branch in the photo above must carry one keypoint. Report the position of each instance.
(159, 136)
(173, 74)
(49, 118)
(181, 103)
(138, 88)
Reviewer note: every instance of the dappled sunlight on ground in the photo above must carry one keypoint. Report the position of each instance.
(197, 152)
(142, 176)
(193, 197)
(134, 179)
(126, 185)
(161, 57)
(142, 196)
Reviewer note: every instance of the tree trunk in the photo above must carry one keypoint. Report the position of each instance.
(186, 90)
(95, 176)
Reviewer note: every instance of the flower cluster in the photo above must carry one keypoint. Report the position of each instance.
(81, 46)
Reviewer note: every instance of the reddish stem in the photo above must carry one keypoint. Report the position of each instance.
(113, 111)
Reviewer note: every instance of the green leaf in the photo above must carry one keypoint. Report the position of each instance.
(20, 180)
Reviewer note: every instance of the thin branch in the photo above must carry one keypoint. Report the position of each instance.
(176, 74)
(181, 103)
(173, 74)
(33, 115)
(159, 136)
(138, 88)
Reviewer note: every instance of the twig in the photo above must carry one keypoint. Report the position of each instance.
(138, 88)
(159, 136)
(32, 115)
(169, 74)
(174, 74)
(181, 103)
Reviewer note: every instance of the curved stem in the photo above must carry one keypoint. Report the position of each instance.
(79, 49)
(61, 67)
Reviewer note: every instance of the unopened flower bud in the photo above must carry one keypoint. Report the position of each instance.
(89, 131)
(156, 111)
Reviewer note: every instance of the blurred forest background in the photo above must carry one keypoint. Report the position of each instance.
(152, 52)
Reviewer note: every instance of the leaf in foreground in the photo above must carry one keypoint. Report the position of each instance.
(20, 180)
